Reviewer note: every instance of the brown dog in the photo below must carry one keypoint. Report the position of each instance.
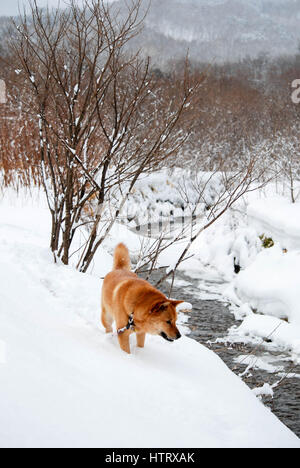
(135, 305)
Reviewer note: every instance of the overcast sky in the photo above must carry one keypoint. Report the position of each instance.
(10, 7)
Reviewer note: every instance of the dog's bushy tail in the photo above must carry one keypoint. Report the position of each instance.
(122, 258)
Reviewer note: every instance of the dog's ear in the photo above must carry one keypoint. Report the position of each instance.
(160, 307)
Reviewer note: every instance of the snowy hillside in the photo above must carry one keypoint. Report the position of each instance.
(219, 30)
(214, 30)
(64, 383)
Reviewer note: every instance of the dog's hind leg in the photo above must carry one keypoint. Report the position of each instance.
(140, 339)
(106, 320)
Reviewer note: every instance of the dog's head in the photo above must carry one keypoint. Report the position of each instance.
(161, 320)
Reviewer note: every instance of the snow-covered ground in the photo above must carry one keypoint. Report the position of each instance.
(64, 383)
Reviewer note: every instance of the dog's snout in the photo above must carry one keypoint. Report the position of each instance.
(178, 336)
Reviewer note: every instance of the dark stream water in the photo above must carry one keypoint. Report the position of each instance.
(211, 320)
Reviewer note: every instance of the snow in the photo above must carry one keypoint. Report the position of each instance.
(184, 307)
(265, 294)
(227, 241)
(64, 383)
(265, 390)
(261, 329)
(278, 218)
(265, 362)
(156, 195)
(270, 284)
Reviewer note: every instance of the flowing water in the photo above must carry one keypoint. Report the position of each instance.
(210, 320)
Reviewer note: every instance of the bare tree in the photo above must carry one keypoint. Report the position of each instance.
(103, 119)
(287, 161)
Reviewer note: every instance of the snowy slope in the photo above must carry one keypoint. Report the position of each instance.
(64, 383)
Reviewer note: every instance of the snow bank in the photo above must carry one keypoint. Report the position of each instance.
(276, 333)
(277, 218)
(271, 285)
(168, 192)
(65, 383)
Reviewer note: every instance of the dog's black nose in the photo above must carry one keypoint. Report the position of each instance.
(178, 336)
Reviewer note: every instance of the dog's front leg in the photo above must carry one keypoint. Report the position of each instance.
(124, 341)
(140, 339)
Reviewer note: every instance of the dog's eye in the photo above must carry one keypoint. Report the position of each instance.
(169, 322)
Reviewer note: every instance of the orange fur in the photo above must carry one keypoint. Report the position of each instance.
(124, 293)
